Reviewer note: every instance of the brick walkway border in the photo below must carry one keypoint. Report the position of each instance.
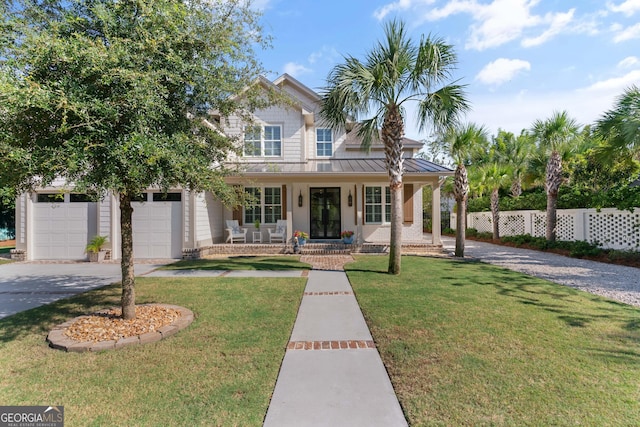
(327, 262)
(330, 345)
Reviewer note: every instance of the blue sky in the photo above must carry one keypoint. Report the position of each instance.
(521, 59)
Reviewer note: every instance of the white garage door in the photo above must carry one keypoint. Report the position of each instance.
(157, 228)
(62, 229)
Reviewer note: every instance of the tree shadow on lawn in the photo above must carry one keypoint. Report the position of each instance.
(40, 320)
(247, 262)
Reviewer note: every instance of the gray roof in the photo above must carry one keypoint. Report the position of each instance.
(334, 167)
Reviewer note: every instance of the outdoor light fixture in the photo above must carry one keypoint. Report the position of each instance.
(350, 199)
(300, 199)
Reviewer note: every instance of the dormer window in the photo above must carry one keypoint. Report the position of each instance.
(262, 141)
(324, 143)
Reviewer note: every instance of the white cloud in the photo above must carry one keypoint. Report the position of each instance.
(502, 70)
(628, 7)
(615, 84)
(502, 21)
(629, 62)
(400, 5)
(294, 69)
(559, 22)
(327, 55)
(628, 33)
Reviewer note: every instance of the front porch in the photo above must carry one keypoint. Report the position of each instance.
(310, 248)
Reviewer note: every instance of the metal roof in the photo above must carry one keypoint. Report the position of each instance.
(340, 167)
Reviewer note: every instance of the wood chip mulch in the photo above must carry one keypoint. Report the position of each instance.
(107, 325)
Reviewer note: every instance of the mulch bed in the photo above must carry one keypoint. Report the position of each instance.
(108, 325)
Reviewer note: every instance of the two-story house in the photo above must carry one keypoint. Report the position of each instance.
(317, 179)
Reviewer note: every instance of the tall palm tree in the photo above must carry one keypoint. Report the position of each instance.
(553, 135)
(495, 176)
(620, 126)
(461, 142)
(395, 72)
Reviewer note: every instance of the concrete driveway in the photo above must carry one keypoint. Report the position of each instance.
(28, 285)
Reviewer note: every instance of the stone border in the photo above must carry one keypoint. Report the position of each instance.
(58, 340)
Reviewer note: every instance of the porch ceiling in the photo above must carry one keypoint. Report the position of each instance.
(333, 167)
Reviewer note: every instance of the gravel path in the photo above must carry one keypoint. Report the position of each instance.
(616, 282)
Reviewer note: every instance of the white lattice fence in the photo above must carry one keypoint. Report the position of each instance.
(615, 229)
(609, 228)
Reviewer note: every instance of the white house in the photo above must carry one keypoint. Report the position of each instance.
(317, 179)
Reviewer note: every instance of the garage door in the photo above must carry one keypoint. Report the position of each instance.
(62, 228)
(157, 227)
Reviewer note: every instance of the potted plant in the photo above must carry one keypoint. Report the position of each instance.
(95, 249)
(301, 237)
(256, 224)
(347, 236)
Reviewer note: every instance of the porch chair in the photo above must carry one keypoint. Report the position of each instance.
(279, 234)
(236, 233)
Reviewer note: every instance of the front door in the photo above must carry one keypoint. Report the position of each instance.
(325, 213)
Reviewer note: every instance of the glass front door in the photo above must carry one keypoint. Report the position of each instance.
(325, 213)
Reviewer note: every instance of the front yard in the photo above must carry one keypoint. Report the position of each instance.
(464, 343)
(221, 370)
(472, 344)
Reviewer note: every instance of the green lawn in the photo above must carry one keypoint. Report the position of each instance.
(472, 344)
(5, 250)
(242, 262)
(221, 370)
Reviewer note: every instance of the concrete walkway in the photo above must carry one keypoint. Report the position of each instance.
(332, 374)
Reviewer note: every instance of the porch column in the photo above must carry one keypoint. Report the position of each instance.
(436, 236)
(290, 202)
(359, 214)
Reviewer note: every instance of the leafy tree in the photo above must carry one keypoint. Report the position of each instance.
(461, 141)
(115, 96)
(395, 72)
(552, 135)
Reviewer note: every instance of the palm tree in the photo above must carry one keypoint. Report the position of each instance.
(461, 142)
(495, 176)
(514, 151)
(620, 126)
(394, 73)
(553, 135)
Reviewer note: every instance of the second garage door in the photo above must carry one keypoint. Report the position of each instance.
(157, 226)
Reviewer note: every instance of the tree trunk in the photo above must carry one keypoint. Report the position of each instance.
(553, 182)
(460, 192)
(552, 219)
(516, 187)
(128, 278)
(495, 213)
(392, 133)
(461, 226)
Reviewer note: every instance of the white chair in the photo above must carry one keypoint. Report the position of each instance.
(236, 233)
(279, 234)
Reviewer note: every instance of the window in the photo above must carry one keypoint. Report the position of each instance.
(267, 201)
(272, 205)
(375, 206)
(262, 141)
(50, 198)
(272, 141)
(324, 142)
(168, 197)
(79, 198)
(253, 211)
